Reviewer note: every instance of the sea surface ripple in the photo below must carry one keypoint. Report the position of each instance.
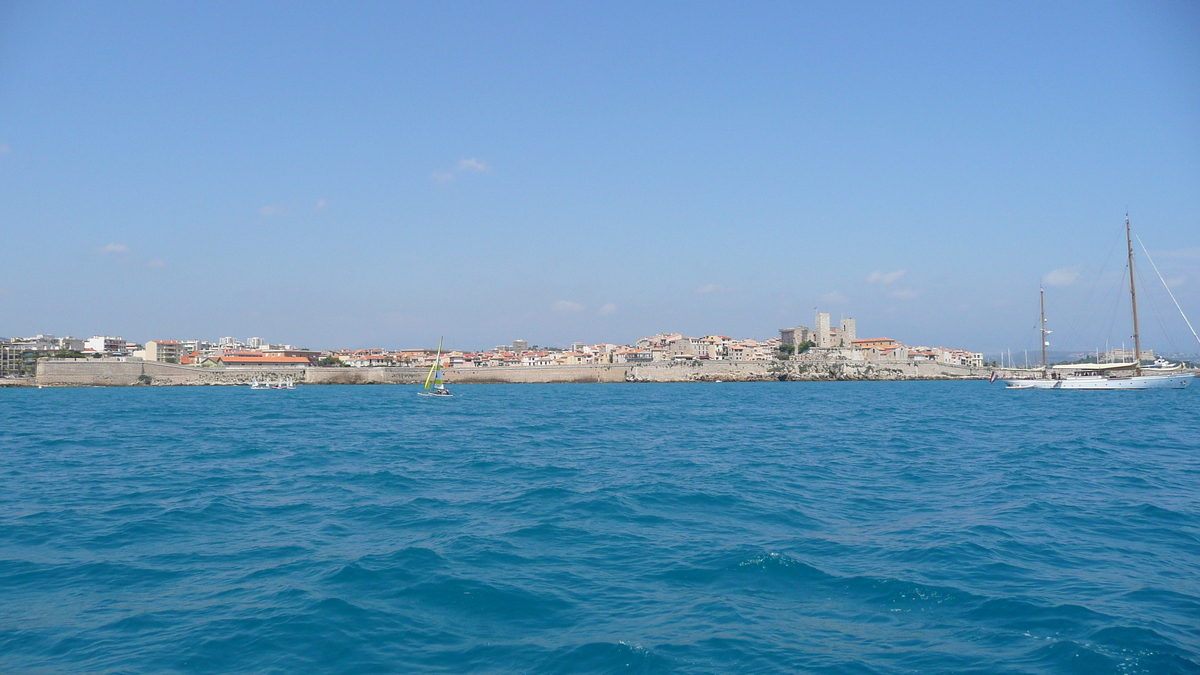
(875, 527)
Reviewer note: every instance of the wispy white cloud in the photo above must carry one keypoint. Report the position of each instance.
(273, 211)
(567, 306)
(322, 203)
(904, 293)
(471, 165)
(608, 309)
(156, 263)
(1175, 282)
(833, 298)
(113, 248)
(885, 277)
(1066, 276)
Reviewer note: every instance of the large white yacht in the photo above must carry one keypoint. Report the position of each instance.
(1162, 375)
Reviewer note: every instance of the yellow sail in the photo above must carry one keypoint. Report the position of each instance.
(437, 362)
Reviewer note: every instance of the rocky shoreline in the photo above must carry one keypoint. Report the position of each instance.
(111, 372)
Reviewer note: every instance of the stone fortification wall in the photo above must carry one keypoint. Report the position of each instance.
(110, 372)
(107, 372)
(809, 370)
(536, 374)
(88, 372)
(364, 375)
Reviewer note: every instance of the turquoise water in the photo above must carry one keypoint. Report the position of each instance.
(886, 527)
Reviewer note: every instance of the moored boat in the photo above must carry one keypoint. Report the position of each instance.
(1162, 375)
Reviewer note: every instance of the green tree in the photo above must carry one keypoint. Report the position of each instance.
(67, 354)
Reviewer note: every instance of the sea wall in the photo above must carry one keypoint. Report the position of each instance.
(111, 372)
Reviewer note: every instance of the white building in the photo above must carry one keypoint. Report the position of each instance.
(106, 345)
(48, 343)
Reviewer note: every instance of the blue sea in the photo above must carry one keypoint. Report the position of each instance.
(855, 527)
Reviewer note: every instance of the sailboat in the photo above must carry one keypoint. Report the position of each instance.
(1107, 375)
(433, 382)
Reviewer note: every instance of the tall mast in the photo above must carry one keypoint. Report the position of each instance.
(1137, 338)
(1045, 364)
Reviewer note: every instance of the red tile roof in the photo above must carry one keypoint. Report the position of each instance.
(261, 359)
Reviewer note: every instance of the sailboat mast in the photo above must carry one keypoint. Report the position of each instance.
(1045, 364)
(1137, 338)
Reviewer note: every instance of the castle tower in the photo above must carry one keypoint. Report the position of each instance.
(849, 332)
(823, 338)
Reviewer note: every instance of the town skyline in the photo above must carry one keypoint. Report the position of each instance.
(833, 339)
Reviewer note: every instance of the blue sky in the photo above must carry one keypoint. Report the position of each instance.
(381, 174)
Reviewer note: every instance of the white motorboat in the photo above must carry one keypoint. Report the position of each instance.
(279, 383)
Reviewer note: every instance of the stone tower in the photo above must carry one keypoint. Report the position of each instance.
(849, 332)
(823, 338)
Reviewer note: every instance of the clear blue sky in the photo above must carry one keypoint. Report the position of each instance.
(380, 174)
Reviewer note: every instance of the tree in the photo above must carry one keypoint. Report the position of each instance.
(68, 354)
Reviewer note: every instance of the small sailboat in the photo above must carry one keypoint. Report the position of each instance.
(1163, 375)
(434, 387)
(255, 384)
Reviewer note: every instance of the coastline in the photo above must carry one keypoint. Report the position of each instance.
(114, 373)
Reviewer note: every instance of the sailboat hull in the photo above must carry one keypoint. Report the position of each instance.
(1163, 381)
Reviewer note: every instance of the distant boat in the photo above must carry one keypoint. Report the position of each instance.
(1163, 365)
(1163, 375)
(277, 384)
(434, 387)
